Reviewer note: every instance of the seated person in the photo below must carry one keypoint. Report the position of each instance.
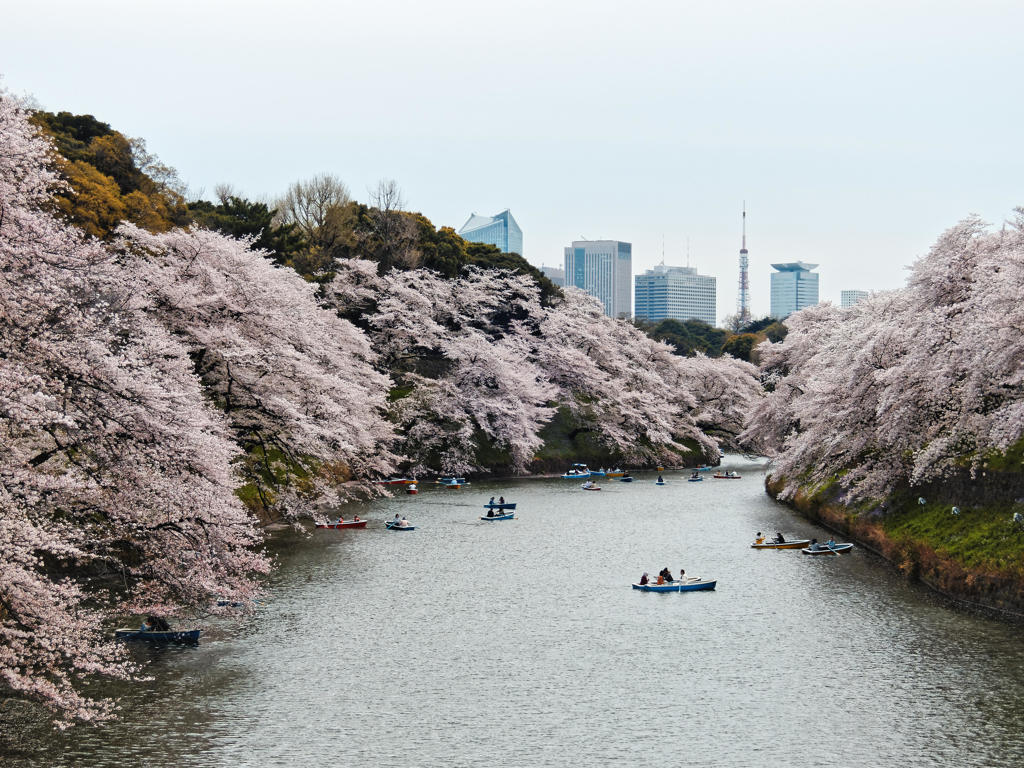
(644, 579)
(661, 578)
(779, 538)
(760, 538)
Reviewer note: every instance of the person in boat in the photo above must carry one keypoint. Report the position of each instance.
(398, 519)
(340, 520)
(155, 624)
(682, 574)
(759, 539)
(491, 501)
(644, 579)
(831, 543)
(501, 499)
(815, 545)
(490, 512)
(356, 519)
(403, 523)
(661, 479)
(661, 579)
(779, 538)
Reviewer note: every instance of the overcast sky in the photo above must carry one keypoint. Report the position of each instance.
(855, 131)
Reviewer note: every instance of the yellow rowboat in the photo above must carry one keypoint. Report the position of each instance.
(797, 544)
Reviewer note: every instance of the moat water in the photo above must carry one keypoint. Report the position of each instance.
(521, 643)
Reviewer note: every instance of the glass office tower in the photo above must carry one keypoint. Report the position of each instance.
(794, 286)
(500, 230)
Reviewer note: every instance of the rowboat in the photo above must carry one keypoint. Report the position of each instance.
(690, 585)
(825, 549)
(695, 479)
(660, 482)
(652, 587)
(188, 637)
(393, 526)
(730, 475)
(500, 505)
(695, 585)
(626, 479)
(588, 486)
(451, 482)
(598, 473)
(344, 524)
(795, 544)
(576, 470)
(703, 468)
(615, 473)
(507, 516)
(397, 481)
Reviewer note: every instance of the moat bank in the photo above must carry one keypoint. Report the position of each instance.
(972, 554)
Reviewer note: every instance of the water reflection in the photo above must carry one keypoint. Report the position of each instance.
(520, 643)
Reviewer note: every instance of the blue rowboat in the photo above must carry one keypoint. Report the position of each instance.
(507, 516)
(690, 585)
(696, 479)
(392, 526)
(695, 585)
(573, 475)
(652, 587)
(598, 472)
(660, 482)
(825, 549)
(188, 637)
(625, 479)
(505, 505)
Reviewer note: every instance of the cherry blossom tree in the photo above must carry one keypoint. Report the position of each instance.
(296, 383)
(462, 349)
(115, 479)
(625, 387)
(910, 386)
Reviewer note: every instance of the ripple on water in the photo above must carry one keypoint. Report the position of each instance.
(520, 643)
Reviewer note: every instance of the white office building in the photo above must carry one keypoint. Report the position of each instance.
(602, 268)
(678, 293)
(848, 298)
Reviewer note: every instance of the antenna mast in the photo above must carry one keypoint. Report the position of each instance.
(743, 304)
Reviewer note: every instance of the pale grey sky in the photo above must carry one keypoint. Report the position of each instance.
(856, 131)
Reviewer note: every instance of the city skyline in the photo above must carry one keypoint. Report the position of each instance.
(822, 119)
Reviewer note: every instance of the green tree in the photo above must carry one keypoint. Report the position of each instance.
(741, 345)
(239, 217)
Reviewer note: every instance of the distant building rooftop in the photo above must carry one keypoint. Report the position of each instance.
(795, 266)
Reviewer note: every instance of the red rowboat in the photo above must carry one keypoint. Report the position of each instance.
(344, 524)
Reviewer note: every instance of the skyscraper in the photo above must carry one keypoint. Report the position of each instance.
(794, 286)
(602, 268)
(675, 292)
(555, 274)
(500, 230)
(848, 298)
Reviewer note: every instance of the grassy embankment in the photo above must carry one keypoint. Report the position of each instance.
(974, 557)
